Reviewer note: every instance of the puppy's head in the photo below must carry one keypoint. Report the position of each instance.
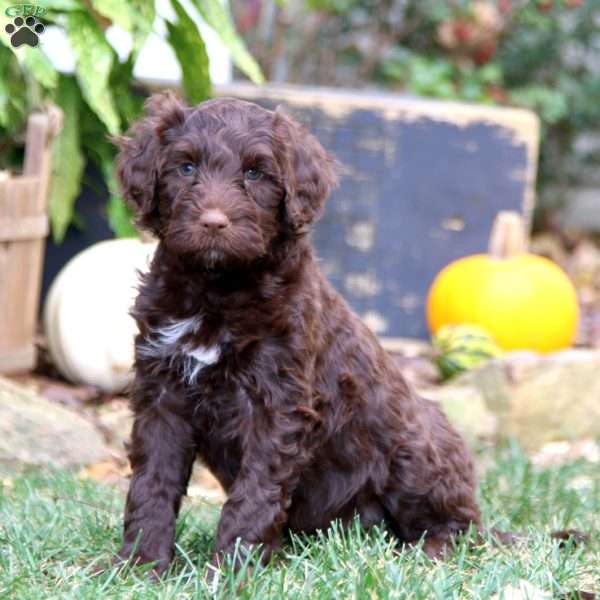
(221, 182)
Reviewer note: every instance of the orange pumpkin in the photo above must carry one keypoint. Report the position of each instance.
(524, 301)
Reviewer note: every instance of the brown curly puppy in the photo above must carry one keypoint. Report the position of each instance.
(248, 358)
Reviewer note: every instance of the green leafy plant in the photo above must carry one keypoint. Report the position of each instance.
(440, 77)
(101, 99)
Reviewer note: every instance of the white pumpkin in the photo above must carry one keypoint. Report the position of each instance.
(86, 317)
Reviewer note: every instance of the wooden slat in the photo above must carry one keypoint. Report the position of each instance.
(17, 359)
(41, 130)
(23, 226)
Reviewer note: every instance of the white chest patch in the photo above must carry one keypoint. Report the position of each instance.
(167, 342)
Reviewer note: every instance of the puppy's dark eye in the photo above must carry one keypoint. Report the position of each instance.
(187, 169)
(252, 174)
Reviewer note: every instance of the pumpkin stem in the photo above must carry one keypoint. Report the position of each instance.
(508, 236)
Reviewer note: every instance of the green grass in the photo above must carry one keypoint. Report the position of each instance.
(55, 530)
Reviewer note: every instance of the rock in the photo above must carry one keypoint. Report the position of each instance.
(116, 420)
(407, 347)
(467, 410)
(549, 245)
(419, 371)
(555, 454)
(35, 431)
(539, 398)
(581, 211)
(114, 472)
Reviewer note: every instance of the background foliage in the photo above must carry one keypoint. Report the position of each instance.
(97, 99)
(540, 54)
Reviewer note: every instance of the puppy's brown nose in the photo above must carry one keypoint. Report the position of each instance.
(214, 220)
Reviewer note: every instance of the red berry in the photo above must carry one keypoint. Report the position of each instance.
(463, 31)
(485, 53)
(505, 6)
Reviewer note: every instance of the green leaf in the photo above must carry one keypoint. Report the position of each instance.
(49, 5)
(5, 39)
(186, 41)
(34, 59)
(101, 151)
(5, 59)
(130, 104)
(67, 159)
(62, 5)
(120, 218)
(94, 142)
(551, 104)
(15, 98)
(117, 11)
(218, 18)
(336, 7)
(94, 60)
(4, 4)
(491, 73)
(40, 67)
(145, 12)
(136, 17)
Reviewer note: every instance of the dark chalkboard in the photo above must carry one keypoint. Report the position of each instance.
(424, 181)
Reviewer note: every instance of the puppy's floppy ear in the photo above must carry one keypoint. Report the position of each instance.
(139, 159)
(308, 172)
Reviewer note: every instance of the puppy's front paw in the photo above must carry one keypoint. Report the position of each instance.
(129, 555)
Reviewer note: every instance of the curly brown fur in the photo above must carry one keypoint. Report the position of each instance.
(248, 358)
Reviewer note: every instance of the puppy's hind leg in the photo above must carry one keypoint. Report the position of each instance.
(430, 491)
(413, 519)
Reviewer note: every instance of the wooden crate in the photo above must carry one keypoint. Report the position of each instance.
(423, 182)
(23, 227)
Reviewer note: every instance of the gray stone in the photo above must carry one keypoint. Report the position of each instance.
(582, 210)
(116, 421)
(34, 431)
(539, 398)
(467, 411)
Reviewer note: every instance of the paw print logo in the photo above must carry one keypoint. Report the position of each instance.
(24, 31)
